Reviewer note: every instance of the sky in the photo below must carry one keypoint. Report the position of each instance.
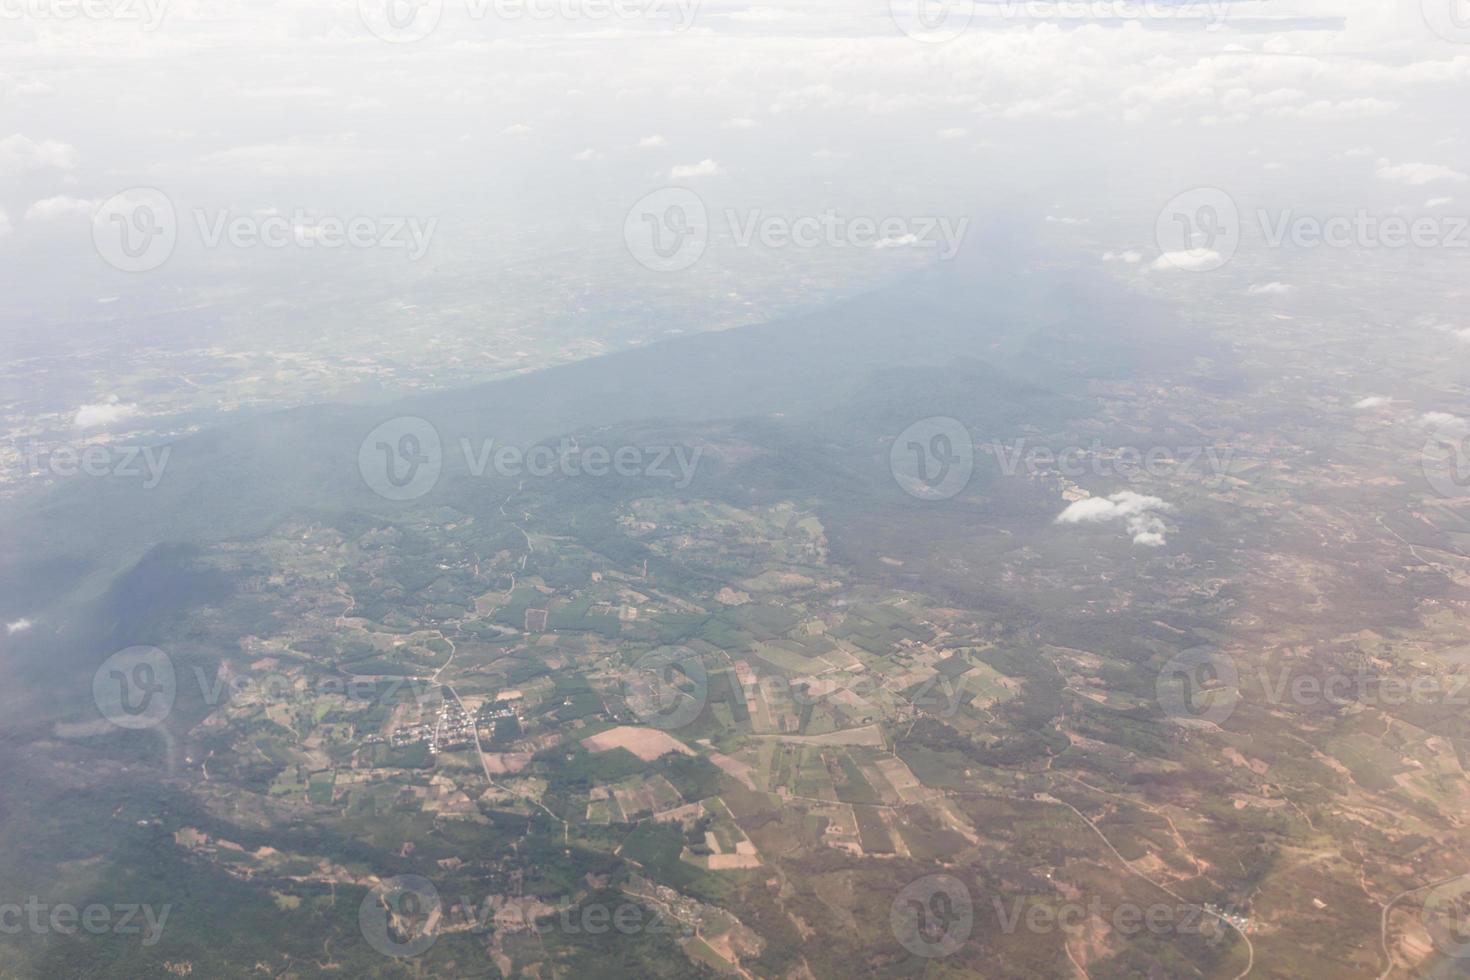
(520, 166)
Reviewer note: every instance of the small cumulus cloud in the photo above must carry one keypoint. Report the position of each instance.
(61, 206)
(652, 141)
(19, 154)
(1130, 256)
(953, 133)
(1373, 401)
(738, 122)
(1445, 425)
(1271, 289)
(517, 129)
(704, 168)
(1418, 174)
(18, 626)
(1189, 260)
(1137, 512)
(103, 414)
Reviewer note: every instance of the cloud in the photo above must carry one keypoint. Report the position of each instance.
(21, 155)
(517, 129)
(953, 133)
(1130, 256)
(902, 241)
(587, 154)
(1271, 289)
(1136, 510)
(704, 168)
(739, 122)
(60, 206)
(19, 626)
(651, 141)
(1418, 174)
(1188, 259)
(1438, 202)
(1372, 401)
(103, 414)
(5, 225)
(1445, 425)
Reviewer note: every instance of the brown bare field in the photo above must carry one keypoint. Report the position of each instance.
(500, 763)
(646, 743)
(866, 735)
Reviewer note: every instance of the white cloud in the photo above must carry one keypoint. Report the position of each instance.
(587, 154)
(61, 206)
(1373, 401)
(517, 129)
(21, 155)
(1438, 202)
(18, 626)
(704, 168)
(953, 133)
(1052, 219)
(1271, 289)
(1418, 174)
(1136, 510)
(1189, 260)
(5, 225)
(651, 141)
(1445, 425)
(738, 122)
(1130, 256)
(902, 241)
(103, 413)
